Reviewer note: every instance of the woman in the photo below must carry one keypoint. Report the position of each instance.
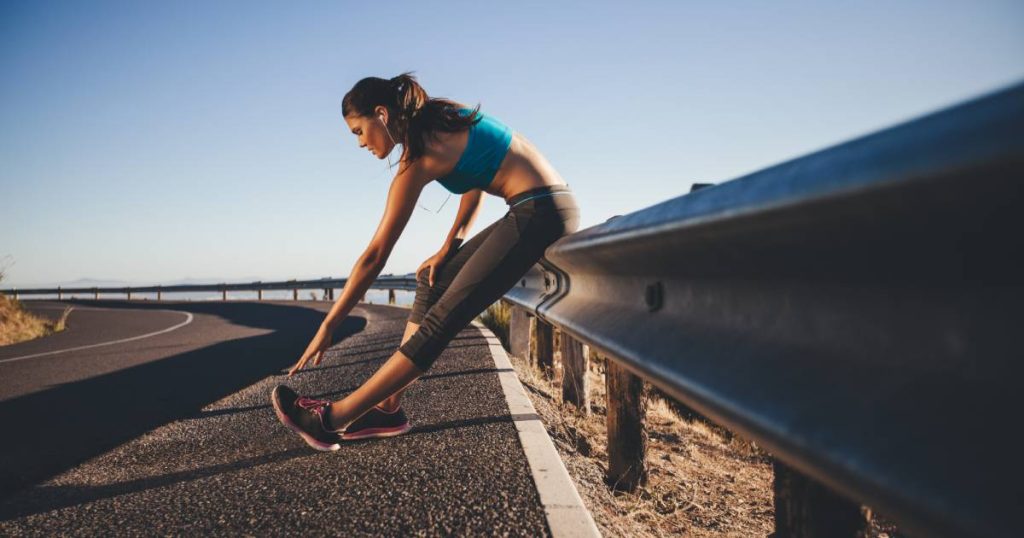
(469, 153)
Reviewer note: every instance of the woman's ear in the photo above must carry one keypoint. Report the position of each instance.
(381, 111)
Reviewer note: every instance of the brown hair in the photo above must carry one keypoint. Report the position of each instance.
(412, 114)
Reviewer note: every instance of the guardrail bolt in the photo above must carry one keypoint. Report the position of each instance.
(653, 296)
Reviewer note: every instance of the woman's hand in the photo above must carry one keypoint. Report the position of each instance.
(434, 262)
(316, 348)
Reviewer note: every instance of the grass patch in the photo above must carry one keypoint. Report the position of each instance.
(496, 318)
(20, 325)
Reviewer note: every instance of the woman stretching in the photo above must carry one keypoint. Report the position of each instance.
(469, 153)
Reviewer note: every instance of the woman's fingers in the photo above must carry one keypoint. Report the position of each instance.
(298, 366)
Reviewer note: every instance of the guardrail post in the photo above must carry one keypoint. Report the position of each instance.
(59, 294)
(543, 346)
(295, 294)
(805, 508)
(627, 440)
(391, 296)
(575, 386)
(519, 333)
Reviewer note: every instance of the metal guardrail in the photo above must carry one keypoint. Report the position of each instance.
(383, 282)
(855, 311)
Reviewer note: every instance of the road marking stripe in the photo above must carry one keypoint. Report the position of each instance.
(188, 316)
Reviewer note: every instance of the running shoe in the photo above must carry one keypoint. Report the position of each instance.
(377, 423)
(305, 416)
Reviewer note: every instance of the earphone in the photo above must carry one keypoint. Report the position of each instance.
(380, 117)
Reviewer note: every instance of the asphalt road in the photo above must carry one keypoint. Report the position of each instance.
(174, 434)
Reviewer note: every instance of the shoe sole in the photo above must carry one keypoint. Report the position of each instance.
(376, 432)
(319, 445)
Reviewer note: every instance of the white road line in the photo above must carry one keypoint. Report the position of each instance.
(566, 514)
(188, 316)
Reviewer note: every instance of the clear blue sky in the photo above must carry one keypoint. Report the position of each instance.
(154, 142)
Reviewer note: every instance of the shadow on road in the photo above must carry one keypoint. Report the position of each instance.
(56, 429)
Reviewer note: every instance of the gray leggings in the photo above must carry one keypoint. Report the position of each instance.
(484, 268)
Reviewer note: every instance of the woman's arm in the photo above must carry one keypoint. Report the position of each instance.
(405, 190)
(469, 207)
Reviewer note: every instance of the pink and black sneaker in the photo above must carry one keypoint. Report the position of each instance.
(377, 423)
(305, 416)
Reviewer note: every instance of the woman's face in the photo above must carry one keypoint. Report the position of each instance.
(370, 132)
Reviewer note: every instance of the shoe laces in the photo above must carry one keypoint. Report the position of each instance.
(312, 404)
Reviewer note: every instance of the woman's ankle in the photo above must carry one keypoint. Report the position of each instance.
(389, 407)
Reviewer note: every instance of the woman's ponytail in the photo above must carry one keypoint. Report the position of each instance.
(410, 98)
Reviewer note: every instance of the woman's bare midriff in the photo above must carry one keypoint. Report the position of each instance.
(523, 168)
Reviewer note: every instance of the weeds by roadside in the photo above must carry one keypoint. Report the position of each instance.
(703, 480)
(19, 325)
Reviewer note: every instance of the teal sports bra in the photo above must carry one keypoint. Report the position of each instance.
(489, 140)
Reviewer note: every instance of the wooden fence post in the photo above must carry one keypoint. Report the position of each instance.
(519, 333)
(575, 384)
(544, 347)
(804, 508)
(627, 440)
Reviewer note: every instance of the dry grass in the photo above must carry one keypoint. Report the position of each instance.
(703, 480)
(496, 318)
(19, 325)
